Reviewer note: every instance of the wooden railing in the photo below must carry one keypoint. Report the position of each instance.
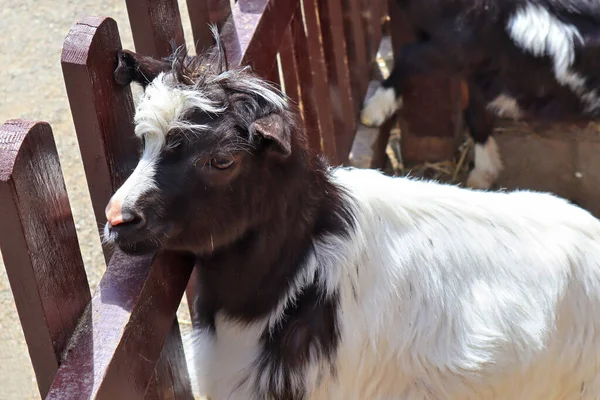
(124, 342)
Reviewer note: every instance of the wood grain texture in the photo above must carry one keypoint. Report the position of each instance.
(154, 25)
(203, 13)
(287, 54)
(354, 33)
(338, 76)
(118, 341)
(320, 85)
(103, 115)
(39, 244)
(102, 110)
(253, 34)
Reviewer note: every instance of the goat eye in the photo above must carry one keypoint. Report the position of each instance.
(221, 162)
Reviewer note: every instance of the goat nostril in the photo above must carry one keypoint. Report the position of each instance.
(128, 218)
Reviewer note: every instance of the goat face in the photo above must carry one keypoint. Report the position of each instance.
(214, 146)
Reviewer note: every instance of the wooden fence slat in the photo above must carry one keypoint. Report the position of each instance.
(332, 25)
(356, 51)
(172, 380)
(154, 24)
(320, 84)
(306, 84)
(39, 244)
(118, 341)
(287, 53)
(253, 34)
(432, 111)
(102, 113)
(102, 110)
(205, 12)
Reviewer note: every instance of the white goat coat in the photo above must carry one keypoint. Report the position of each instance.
(448, 293)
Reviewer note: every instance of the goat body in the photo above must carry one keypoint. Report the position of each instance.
(319, 283)
(439, 293)
(525, 59)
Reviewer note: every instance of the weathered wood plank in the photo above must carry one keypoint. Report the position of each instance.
(356, 51)
(102, 110)
(118, 341)
(253, 34)
(39, 244)
(154, 25)
(202, 14)
(172, 380)
(103, 114)
(287, 54)
(338, 74)
(320, 84)
(306, 82)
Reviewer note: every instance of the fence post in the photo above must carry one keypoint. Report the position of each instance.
(39, 244)
(103, 116)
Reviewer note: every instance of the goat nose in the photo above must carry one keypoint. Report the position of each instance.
(115, 215)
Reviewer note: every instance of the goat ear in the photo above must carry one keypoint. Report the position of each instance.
(273, 128)
(132, 67)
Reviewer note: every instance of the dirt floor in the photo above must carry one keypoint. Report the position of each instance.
(31, 87)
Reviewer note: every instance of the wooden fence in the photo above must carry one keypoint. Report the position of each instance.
(123, 342)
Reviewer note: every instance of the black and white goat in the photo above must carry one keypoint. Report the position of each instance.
(320, 283)
(525, 59)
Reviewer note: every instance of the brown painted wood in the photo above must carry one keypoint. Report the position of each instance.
(253, 34)
(154, 25)
(287, 53)
(319, 71)
(102, 110)
(119, 339)
(39, 244)
(172, 381)
(205, 12)
(371, 13)
(356, 50)
(306, 82)
(432, 113)
(338, 76)
(103, 114)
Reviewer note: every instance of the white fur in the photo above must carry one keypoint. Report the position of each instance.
(379, 107)
(505, 106)
(445, 293)
(536, 30)
(488, 165)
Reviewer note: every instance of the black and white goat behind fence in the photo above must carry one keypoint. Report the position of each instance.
(324, 283)
(525, 59)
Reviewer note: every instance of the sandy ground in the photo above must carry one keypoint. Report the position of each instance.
(31, 87)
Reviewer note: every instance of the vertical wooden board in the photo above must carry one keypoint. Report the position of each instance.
(202, 14)
(356, 50)
(102, 110)
(340, 93)
(254, 32)
(155, 24)
(289, 67)
(371, 16)
(305, 79)
(172, 380)
(39, 244)
(320, 83)
(119, 339)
